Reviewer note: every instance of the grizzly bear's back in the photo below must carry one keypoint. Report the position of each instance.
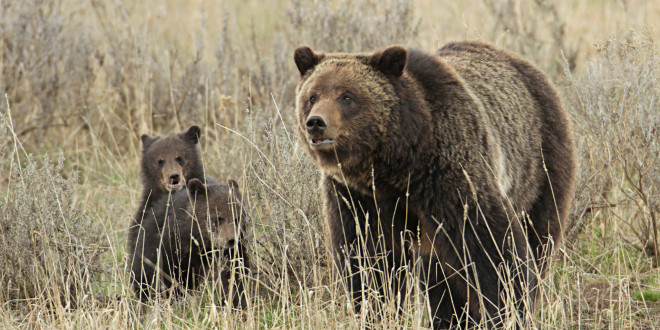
(510, 114)
(525, 137)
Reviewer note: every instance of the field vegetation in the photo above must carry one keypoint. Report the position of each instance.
(80, 80)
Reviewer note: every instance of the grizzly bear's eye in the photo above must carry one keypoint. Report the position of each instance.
(313, 99)
(220, 220)
(161, 163)
(179, 159)
(346, 99)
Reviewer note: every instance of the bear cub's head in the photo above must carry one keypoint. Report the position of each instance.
(215, 217)
(218, 214)
(168, 161)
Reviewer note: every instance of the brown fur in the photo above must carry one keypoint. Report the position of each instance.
(167, 163)
(192, 232)
(459, 140)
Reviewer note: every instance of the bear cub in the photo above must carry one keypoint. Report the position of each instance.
(189, 238)
(167, 163)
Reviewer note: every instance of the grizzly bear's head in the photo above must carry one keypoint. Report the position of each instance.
(345, 105)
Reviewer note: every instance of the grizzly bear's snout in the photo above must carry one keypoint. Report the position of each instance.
(172, 172)
(317, 129)
(316, 125)
(324, 123)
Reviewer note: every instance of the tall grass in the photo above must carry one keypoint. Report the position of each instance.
(49, 246)
(616, 110)
(85, 78)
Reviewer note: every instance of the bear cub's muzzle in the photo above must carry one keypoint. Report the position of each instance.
(174, 182)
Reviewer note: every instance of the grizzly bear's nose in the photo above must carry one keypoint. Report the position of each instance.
(316, 124)
(174, 178)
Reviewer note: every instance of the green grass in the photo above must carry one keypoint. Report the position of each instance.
(647, 295)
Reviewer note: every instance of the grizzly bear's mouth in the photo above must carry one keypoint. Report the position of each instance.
(319, 143)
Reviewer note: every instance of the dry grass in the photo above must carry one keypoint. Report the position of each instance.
(85, 78)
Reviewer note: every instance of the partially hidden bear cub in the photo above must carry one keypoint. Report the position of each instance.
(462, 159)
(192, 238)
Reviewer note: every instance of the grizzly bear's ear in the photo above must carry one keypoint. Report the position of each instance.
(195, 186)
(306, 59)
(192, 134)
(390, 61)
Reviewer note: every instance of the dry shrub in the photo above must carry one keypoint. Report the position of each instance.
(284, 187)
(535, 29)
(69, 75)
(48, 247)
(352, 26)
(46, 71)
(88, 72)
(616, 107)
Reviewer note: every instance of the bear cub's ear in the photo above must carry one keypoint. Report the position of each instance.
(192, 134)
(306, 59)
(146, 140)
(232, 184)
(195, 186)
(390, 61)
(233, 189)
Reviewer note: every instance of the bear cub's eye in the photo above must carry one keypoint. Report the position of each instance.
(179, 159)
(161, 163)
(313, 99)
(220, 220)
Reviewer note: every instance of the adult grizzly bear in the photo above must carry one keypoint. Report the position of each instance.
(167, 163)
(187, 237)
(463, 159)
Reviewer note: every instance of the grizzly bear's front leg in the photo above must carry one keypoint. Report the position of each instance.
(358, 239)
(343, 211)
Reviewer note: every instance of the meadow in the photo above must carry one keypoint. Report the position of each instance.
(81, 80)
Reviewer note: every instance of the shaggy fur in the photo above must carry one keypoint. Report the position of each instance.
(187, 237)
(463, 159)
(167, 163)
